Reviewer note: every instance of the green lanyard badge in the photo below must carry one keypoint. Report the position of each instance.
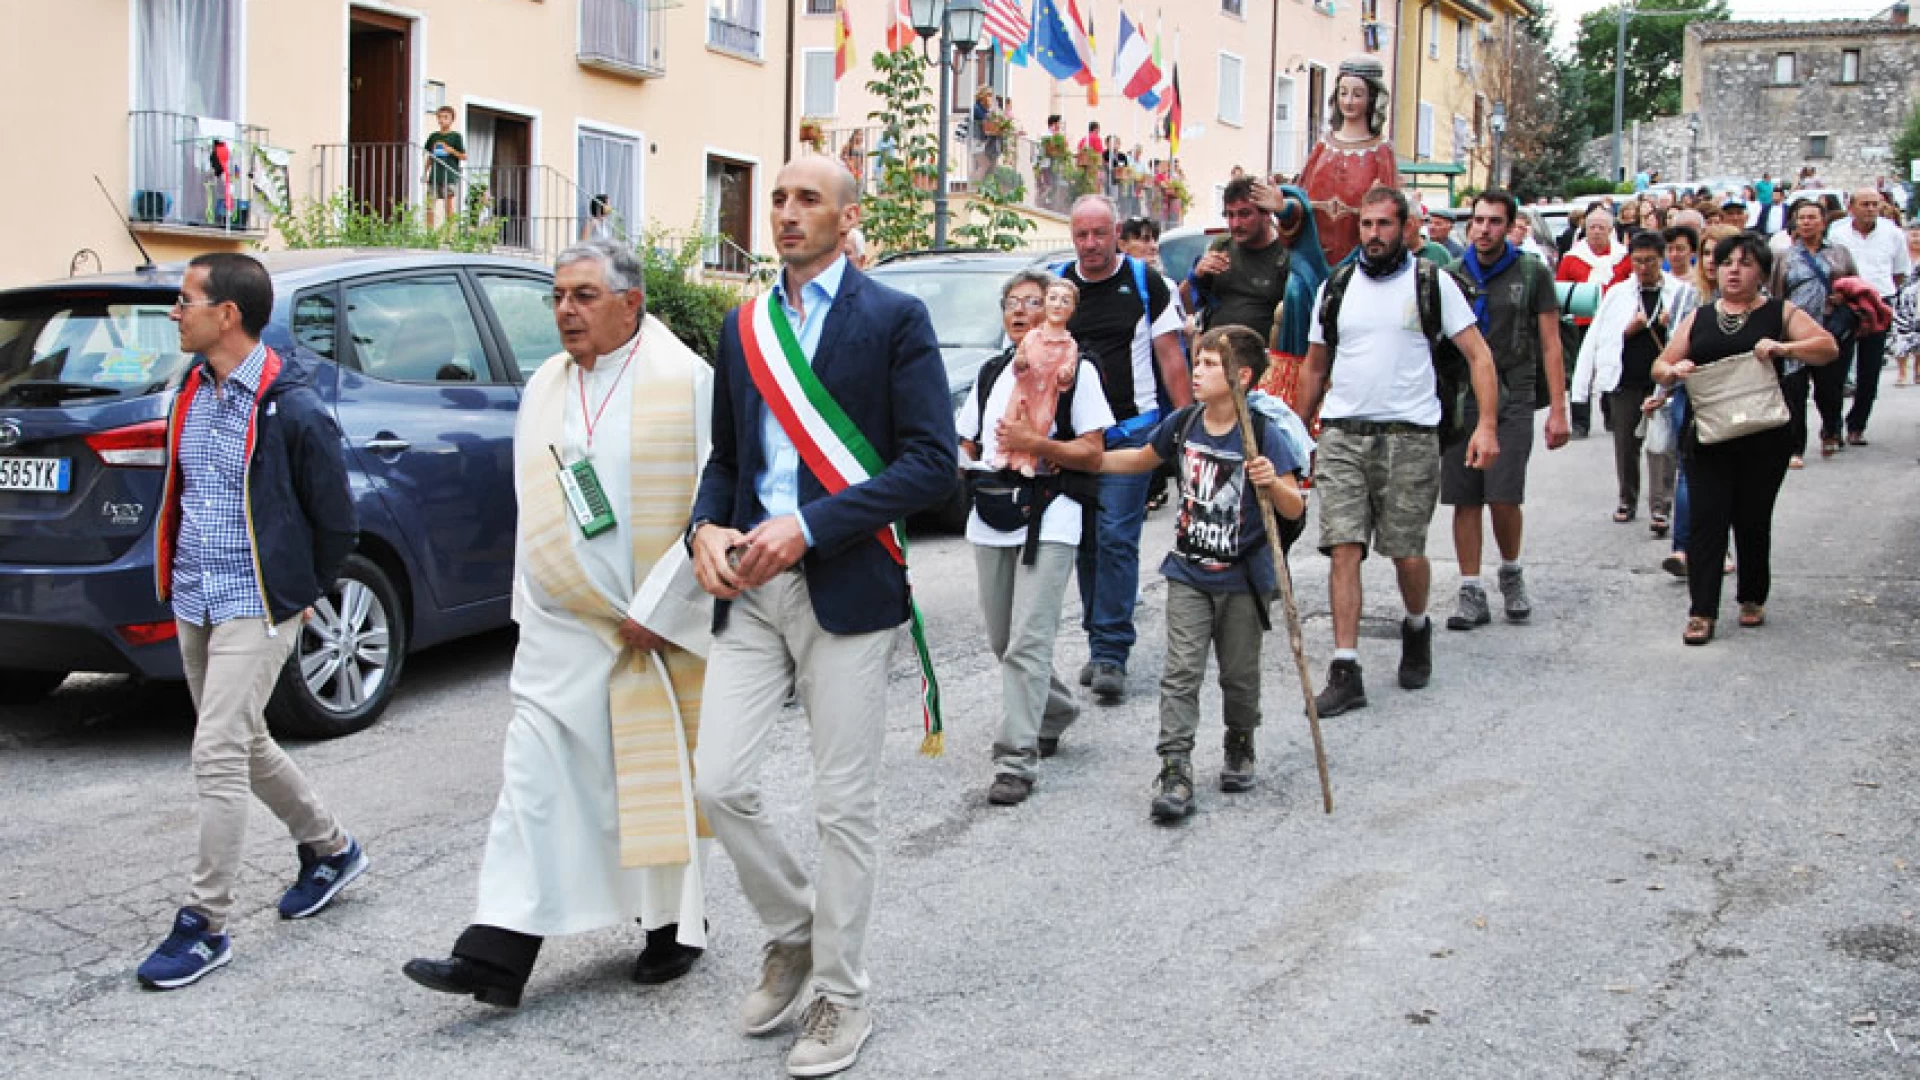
(585, 498)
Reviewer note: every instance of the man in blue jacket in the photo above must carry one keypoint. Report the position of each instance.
(255, 522)
(831, 421)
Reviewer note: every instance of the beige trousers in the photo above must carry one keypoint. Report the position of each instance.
(771, 644)
(231, 668)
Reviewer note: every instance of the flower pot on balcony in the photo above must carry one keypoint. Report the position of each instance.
(151, 205)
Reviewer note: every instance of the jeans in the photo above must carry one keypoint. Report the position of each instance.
(1681, 410)
(1869, 356)
(1110, 569)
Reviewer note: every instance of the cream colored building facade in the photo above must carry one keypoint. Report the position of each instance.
(1255, 76)
(676, 113)
(1452, 68)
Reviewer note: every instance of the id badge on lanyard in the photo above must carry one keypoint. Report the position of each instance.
(586, 500)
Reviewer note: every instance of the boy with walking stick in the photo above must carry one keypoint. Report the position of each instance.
(1220, 573)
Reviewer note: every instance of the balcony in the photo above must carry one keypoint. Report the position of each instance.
(195, 175)
(622, 37)
(531, 211)
(733, 37)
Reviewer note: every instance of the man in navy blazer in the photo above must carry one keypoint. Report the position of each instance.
(810, 601)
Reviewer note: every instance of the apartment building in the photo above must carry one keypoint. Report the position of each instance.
(1453, 59)
(1255, 76)
(197, 115)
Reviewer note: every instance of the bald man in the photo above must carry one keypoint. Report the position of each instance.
(810, 589)
(1879, 248)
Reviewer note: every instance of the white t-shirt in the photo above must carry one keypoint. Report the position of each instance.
(1384, 369)
(1061, 523)
(1879, 255)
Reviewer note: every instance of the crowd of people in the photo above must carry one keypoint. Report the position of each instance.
(699, 545)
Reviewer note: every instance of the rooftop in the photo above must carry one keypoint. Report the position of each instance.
(1783, 31)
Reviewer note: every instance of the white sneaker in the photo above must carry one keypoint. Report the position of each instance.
(831, 1036)
(783, 974)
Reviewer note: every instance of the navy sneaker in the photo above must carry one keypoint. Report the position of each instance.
(189, 953)
(320, 879)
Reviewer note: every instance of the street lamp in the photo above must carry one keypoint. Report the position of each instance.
(1497, 122)
(959, 24)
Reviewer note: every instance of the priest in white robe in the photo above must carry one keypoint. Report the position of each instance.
(596, 822)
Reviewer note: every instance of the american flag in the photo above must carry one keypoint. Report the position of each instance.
(1007, 23)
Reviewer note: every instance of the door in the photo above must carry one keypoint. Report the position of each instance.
(428, 412)
(508, 174)
(1285, 134)
(381, 162)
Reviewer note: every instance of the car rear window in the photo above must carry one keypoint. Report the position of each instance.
(964, 305)
(56, 348)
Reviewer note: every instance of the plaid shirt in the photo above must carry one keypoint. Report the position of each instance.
(213, 572)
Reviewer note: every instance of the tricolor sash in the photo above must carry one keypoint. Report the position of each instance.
(834, 449)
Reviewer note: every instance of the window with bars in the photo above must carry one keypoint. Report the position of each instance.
(820, 7)
(735, 26)
(624, 36)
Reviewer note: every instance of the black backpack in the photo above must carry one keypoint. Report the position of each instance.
(1451, 380)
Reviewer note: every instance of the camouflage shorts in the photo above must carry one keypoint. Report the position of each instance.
(1378, 491)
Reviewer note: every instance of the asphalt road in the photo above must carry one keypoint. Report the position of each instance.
(1585, 851)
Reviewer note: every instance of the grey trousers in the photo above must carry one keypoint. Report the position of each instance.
(1623, 405)
(1229, 623)
(1022, 609)
(231, 668)
(773, 643)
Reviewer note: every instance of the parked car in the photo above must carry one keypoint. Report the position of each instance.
(962, 292)
(421, 359)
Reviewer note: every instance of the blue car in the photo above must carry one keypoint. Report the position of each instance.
(423, 356)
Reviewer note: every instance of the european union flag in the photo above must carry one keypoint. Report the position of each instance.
(1053, 42)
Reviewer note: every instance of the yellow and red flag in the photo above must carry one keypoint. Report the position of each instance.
(842, 41)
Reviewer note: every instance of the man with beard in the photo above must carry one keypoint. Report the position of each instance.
(1378, 469)
(1515, 307)
(1243, 277)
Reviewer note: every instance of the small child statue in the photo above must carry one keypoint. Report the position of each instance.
(1043, 366)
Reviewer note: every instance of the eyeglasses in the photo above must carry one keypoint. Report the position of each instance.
(1031, 303)
(181, 301)
(579, 297)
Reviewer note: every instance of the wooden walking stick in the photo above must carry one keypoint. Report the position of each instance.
(1251, 449)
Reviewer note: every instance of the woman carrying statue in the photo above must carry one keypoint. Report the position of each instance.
(1353, 158)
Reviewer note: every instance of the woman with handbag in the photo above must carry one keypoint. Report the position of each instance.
(1731, 355)
(1804, 275)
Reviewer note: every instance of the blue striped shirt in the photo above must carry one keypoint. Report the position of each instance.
(213, 572)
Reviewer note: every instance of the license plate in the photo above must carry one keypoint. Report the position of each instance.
(36, 474)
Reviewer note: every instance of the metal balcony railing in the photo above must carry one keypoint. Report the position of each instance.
(194, 172)
(535, 210)
(1017, 164)
(626, 37)
(732, 36)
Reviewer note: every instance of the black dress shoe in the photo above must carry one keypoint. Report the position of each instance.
(458, 975)
(664, 959)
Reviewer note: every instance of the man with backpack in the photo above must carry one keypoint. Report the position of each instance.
(1407, 346)
(1513, 302)
(1127, 321)
(1243, 277)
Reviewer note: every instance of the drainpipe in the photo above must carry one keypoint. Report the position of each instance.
(790, 131)
(1273, 82)
(1420, 74)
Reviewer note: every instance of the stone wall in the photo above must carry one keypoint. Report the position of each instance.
(1750, 123)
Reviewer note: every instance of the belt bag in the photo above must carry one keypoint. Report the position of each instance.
(1734, 397)
(1006, 500)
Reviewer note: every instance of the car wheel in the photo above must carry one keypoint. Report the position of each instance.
(21, 687)
(346, 665)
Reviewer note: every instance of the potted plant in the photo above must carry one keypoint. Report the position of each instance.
(1054, 148)
(813, 134)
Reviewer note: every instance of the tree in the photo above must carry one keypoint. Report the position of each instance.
(992, 221)
(1906, 149)
(1655, 45)
(896, 214)
(1516, 69)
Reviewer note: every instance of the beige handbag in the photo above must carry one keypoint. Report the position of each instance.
(1733, 397)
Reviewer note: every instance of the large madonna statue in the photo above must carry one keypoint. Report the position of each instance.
(1353, 157)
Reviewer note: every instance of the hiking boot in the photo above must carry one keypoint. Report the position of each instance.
(1471, 609)
(1173, 791)
(1237, 774)
(1345, 689)
(1513, 589)
(1009, 790)
(831, 1035)
(1109, 683)
(1416, 654)
(783, 975)
(321, 879)
(1049, 746)
(190, 952)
